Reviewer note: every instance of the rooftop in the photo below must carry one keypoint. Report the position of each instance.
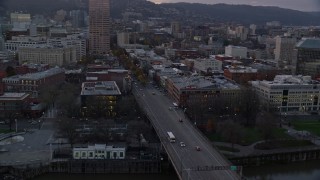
(43, 74)
(100, 88)
(200, 82)
(290, 80)
(309, 43)
(13, 96)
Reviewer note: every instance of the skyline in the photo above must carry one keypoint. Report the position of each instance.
(306, 5)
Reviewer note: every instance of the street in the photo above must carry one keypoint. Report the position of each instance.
(187, 160)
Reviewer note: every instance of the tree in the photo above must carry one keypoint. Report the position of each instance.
(67, 100)
(11, 116)
(266, 124)
(210, 125)
(68, 129)
(231, 131)
(10, 71)
(48, 94)
(248, 106)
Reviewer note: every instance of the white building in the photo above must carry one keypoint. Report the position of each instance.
(24, 41)
(55, 56)
(242, 33)
(99, 151)
(236, 51)
(207, 65)
(76, 40)
(285, 53)
(289, 93)
(122, 38)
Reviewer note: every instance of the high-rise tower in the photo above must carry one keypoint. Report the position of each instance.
(99, 27)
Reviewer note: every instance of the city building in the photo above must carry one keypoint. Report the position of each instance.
(13, 103)
(99, 98)
(197, 89)
(120, 76)
(52, 55)
(99, 27)
(77, 18)
(285, 53)
(24, 41)
(287, 93)
(241, 32)
(241, 74)
(236, 51)
(20, 21)
(308, 60)
(122, 38)
(32, 83)
(77, 40)
(99, 151)
(207, 65)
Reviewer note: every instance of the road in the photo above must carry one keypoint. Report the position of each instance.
(188, 162)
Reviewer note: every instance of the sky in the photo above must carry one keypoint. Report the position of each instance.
(301, 5)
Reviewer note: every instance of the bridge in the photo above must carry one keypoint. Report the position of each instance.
(190, 163)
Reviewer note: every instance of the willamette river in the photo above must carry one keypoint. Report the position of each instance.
(295, 171)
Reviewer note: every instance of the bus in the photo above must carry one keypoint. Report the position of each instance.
(171, 137)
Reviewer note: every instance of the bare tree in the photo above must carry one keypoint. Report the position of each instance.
(248, 106)
(67, 100)
(266, 124)
(231, 131)
(68, 128)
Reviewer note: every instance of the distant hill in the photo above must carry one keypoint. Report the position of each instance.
(180, 11)
(248, 14)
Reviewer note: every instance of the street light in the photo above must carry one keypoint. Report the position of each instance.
(39, 123)
(16, 125)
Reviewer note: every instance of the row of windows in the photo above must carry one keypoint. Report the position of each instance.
(91, 154)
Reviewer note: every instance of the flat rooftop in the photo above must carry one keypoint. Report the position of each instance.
(100, 88)
(13, 96)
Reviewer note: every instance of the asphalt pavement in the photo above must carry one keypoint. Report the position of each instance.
(188, 162)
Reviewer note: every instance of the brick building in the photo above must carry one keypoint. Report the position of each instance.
(34, 82)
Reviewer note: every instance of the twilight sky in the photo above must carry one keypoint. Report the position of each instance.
(301, 5)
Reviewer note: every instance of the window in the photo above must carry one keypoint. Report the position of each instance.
(84, 154)
(121, 154)
(90, 154)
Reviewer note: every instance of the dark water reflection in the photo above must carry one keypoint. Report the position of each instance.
(169, 176)
(295, 171)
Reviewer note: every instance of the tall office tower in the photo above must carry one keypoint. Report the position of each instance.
(20, 21)
(308, 61)
(285, 53)
(99, 27)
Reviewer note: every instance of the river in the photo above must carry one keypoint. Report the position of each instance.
(55, 176)
(309, 170)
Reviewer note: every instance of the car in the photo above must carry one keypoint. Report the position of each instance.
(182, 144)
(2, 122)
(197, 148)
(180, 120)
(153, 93)
(34, 122)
